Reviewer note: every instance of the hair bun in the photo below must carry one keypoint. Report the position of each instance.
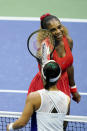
(45, 15)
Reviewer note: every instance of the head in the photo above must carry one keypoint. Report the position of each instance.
(53, 24)
(51, 72)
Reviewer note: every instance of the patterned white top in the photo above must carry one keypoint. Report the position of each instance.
(51, 101)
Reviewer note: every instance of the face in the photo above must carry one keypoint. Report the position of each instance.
(56, 28)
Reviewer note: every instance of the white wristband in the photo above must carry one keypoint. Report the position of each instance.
(10, 126)
(73, 87)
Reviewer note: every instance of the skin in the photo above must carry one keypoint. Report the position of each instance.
(57, 30)
(33, 103)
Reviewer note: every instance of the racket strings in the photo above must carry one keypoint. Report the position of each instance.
(42, 35)
(46, 41)
(37, 48)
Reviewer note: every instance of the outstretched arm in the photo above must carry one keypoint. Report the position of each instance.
(23, 120)
(76, 96)
(70, 70)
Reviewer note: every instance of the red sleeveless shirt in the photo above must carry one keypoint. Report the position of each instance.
(64, 62)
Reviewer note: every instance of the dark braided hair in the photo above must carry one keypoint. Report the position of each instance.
(46, 18)
(51, 71)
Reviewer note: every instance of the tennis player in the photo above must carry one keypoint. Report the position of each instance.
(49, 104)
(62, 55)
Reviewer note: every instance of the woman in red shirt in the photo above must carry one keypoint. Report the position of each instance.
(62, 55)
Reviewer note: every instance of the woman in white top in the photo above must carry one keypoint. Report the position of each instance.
(50, 104)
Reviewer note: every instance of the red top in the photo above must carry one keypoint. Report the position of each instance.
(64, 62)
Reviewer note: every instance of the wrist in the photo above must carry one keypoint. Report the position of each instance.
(10, 126)
(73, 89)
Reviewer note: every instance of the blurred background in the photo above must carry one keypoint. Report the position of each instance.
(35, 8)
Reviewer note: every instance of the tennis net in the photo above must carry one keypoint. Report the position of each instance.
(75, 123)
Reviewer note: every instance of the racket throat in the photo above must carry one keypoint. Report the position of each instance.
(45, 53)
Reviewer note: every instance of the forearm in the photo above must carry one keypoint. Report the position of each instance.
(26, 114)
(70, 72)
(19, 124)
(76, 96)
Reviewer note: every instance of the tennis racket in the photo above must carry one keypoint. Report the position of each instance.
(41, 45)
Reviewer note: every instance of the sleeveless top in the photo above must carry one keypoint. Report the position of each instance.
(64, 62)
(67, 60)
(46, 120)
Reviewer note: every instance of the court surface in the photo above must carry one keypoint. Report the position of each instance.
(18, 67)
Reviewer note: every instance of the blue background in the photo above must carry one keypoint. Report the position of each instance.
(18, 67)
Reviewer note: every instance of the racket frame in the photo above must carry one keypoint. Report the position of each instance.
(32, 35)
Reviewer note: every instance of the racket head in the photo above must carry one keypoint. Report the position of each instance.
(36, 40)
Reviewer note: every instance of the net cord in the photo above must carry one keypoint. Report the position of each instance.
(70, 118)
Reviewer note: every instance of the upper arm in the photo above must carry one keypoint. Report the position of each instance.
(27, 112)
(28, 109)
(68, 102)
(33, 102)
(70, 41)
(68, 99)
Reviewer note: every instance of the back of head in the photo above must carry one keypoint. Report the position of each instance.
(51, 72)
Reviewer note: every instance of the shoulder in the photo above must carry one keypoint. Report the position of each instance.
(33, 95)
(35, 99)
(70, 41)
